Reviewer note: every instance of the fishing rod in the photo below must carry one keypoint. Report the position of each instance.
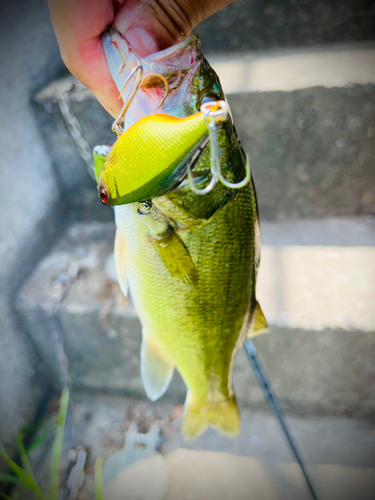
(276, 410)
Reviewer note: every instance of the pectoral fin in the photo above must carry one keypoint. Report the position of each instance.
(175, 256)
(120, 248)
(156, 368)
(258, 324)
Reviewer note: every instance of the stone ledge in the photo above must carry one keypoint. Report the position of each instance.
(313, 372)
(310, 150)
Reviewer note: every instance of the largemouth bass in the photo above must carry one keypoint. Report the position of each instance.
(190, 260)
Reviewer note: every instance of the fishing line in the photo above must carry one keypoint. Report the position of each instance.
(276, 410)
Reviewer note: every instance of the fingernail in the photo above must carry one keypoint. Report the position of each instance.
(144, 43)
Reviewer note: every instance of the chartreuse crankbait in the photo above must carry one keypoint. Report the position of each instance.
(187, 241)
(149, 158)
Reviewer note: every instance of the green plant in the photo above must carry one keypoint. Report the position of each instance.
(23, 477)
(99, 479)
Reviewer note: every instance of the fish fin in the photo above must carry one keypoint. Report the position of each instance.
(258, 324)
(176, 256)
(223, 415)
(120, 248)
(156, 368)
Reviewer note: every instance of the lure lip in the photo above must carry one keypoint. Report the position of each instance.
(100, 154)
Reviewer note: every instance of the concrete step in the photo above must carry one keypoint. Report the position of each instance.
(339, 453)
(310, 149)
(332, 66)
(256, 25)
(319, 352)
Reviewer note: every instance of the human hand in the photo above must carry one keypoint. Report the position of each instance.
(149, 25)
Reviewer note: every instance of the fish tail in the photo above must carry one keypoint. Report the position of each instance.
(223, 415)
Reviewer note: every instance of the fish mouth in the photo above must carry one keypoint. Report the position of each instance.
(176, 59)
(177, 65)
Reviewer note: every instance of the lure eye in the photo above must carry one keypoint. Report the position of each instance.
(103, 195)
(144, 207)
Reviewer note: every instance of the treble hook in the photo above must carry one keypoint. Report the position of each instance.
(116, 127)
(211, 184)
(214, 114)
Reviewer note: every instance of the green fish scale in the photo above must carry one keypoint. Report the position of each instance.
(197, 326)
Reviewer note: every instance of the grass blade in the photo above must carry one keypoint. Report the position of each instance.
(7, 478)
(40, 431)
(99, 479)
(57, 445)
(23, 456)
(3, 495)
(39, 439)
(25, 478)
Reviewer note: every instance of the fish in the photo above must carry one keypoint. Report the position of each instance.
(189, 260)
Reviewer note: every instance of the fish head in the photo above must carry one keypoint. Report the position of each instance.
(190, 83)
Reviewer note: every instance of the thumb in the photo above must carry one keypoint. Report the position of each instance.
(152, 26)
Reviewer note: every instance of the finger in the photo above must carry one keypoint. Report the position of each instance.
(78, 25)
(151, 25)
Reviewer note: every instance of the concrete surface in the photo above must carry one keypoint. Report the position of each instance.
(28, 59)
(318, 287)
(335, 66)
(253, 25)
(96, 127)
(339, 453)
(310, 150)
(315, 365)
(71, 171)
(203, 475)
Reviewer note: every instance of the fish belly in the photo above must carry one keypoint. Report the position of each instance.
(198, 327)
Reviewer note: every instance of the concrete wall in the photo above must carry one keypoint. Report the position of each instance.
(29, 58)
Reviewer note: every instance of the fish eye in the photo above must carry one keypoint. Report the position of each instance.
(144, 207)
(103, 195)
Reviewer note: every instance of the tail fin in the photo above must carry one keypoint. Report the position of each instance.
(223, 416)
